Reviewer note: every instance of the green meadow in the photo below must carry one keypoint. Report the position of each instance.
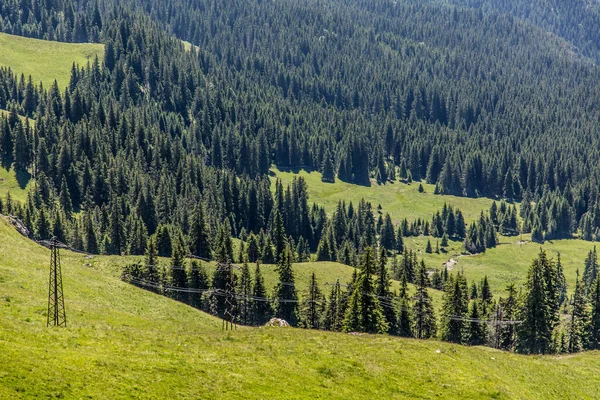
(124, 342)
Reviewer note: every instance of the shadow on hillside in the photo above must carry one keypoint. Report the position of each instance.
(23, 178)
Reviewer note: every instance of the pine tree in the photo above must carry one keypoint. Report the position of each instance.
(423, 315)
(453, 311)
(404, 319)
(364, 313)
(562, 282)
(261, 307)
(312, 306)
(388, 237)
(178, 272)
(327, 168)
(279, 236)
(90, 240)
(591, 269)
(286, 299)
(477, 328)
(595, 315)
(579, 327)
(224, 245)
(534, 334)
(199, 235)
(399, 241)
(382, 290)
(151, 262)
(42, 226)
(334, 313)
(509, 309)
(428, 248)
(486, 292)
(197, 281)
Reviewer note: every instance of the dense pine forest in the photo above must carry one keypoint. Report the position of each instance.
(164, 148)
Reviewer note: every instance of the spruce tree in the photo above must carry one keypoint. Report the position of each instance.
(594, 342)
(534, 334)
(285, 297)
(424, 323)
(312, 306)
(382, 290)
(279, 236)
(404, 319)
(477, 328)
(364, 313)
(334, 313)
(388, 237)
(197, 281)
(199, 235)
(261, 307)
(486, 292)
(178, 272)
(151, 261)
(579, 327)
(327, 168)
(591, 269)
(453, 311)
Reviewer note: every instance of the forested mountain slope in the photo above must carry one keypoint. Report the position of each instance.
(576, 21)
(163, 148)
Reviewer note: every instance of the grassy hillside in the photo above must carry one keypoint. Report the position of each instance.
(510, 261)
(507, 263)
(399, 199)
(44, 60)
(16, 184)
(123, 342)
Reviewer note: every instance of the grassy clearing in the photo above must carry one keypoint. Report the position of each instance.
(44, 60)
(123, 342)
(17, 184)
(510, 261)
(399, 199)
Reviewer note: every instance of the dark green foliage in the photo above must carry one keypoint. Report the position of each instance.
(312, 306)
(197, 280)
(178, 276)
(453, 311)
(199, 235)
(579, 327)
(424, 323)
(334, 313)
(382, 289)
(261, 308)
(534, 334)
(404, 322)
(364, 312)
(595, 315)
(590, 271)
(477, 328)
(285, 297)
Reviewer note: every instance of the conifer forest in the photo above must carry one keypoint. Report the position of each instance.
(165, 150)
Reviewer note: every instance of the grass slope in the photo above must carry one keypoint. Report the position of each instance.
(510, 261)
(399, 199)
(123, 342)
(44, 60)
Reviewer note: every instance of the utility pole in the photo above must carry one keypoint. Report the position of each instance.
(56, 300)
(229, 317)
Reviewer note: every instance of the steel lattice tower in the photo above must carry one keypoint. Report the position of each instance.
(229, 317)
(56, 299)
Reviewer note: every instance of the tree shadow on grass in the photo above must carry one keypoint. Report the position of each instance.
(23, 178)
